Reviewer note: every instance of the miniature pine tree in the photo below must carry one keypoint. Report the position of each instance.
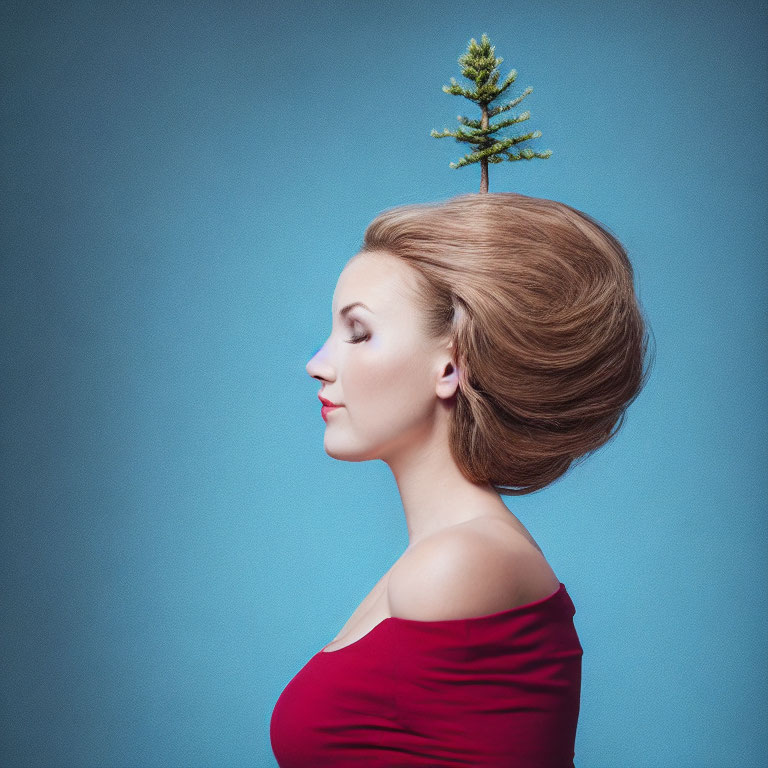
(480, 65)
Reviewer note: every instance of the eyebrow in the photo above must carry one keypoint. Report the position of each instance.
(343, 311)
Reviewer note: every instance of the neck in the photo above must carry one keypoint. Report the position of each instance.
(434, 493)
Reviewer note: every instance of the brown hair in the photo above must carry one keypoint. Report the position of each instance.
(538, 301)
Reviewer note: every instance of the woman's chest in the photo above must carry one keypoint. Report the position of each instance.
(372, 610)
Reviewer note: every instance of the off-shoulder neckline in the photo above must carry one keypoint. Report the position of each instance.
(437, 622)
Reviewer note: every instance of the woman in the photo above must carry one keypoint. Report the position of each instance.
(480, 346)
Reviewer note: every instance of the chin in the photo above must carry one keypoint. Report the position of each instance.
(347, 456)
(347, 453)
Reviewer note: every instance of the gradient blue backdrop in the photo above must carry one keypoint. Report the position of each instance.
(181, 185)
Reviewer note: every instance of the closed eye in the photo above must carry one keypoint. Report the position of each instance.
(356, 339)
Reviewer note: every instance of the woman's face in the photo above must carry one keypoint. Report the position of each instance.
(377, 364)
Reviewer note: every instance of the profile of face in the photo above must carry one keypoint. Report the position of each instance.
(395, 385)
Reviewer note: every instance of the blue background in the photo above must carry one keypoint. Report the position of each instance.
(181, 185)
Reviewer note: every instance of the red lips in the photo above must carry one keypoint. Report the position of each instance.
(327, 402)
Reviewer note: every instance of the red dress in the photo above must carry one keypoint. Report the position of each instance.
(500, 690)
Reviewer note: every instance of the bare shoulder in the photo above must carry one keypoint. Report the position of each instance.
(468, 571)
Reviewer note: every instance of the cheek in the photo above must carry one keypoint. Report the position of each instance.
(385, 386)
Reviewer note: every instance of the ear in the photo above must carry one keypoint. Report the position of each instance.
(448, 382)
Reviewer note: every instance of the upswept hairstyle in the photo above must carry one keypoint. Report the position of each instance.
(537, 299)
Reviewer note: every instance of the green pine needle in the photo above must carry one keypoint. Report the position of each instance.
(481, 67)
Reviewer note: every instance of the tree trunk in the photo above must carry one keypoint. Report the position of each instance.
(484, 161)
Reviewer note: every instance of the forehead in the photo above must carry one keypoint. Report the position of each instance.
(380, 280)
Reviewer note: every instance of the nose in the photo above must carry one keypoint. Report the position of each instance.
(318, 366)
